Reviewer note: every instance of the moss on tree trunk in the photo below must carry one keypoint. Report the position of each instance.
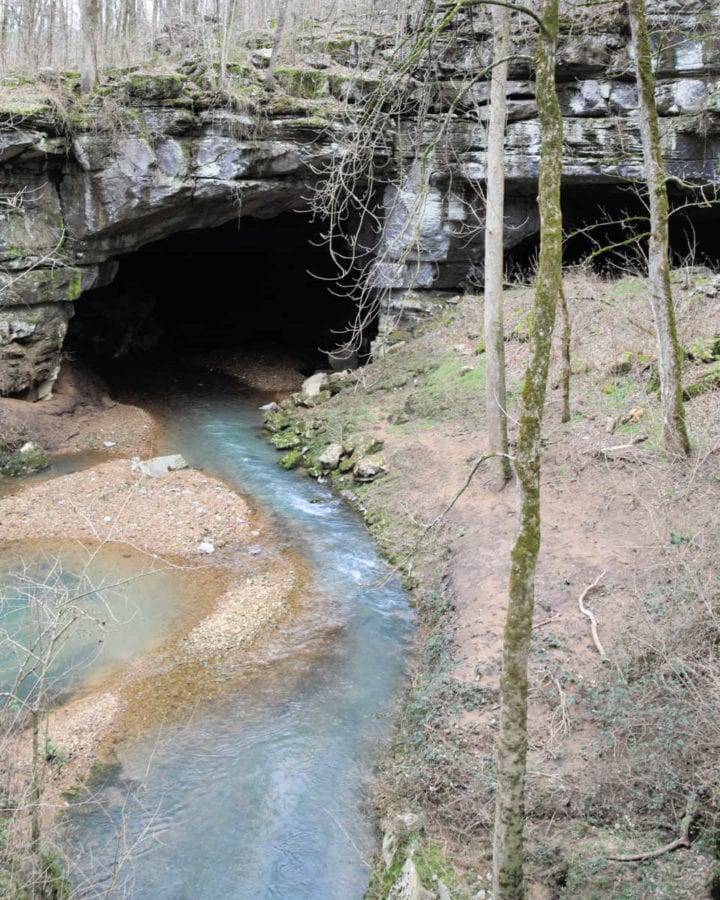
(508, 881)
(669, 357)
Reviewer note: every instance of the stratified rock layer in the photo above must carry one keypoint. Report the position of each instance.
(168, 157)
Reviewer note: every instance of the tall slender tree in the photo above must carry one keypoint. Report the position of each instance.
(90, 17)
(675, 433)
(508, 870)
(496, 397)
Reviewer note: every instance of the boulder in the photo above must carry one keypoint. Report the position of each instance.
(369, 468)
(292, 459)
(158, 465)
(315, 384)
(330, 458)
(409, 886)
(364, 445)
(30, 458)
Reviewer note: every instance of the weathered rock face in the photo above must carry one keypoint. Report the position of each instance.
(75, 197)
(74, 204)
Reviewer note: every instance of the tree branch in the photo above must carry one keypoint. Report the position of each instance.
(682, 841)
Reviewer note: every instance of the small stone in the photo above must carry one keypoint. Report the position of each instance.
(206, 547)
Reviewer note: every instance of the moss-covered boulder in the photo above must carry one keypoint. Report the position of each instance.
(146, 86)
(30, 458)
(285, 440)
(292, 460)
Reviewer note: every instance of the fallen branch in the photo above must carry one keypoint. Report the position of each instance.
(682, 841)
(638, 439)
(586, 612)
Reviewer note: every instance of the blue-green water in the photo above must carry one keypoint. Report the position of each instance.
(263, 792)
(69, 612)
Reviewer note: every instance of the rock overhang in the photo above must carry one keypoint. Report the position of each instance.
(88, 193)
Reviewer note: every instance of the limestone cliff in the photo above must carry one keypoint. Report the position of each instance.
(83, 182)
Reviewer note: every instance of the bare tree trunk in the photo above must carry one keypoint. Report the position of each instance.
(279, 28)
(565, 353)
(35, 790)
(226, 37)
(3, 34)
(673, 412)
(496, 397)
(90, 16)
(508, 881)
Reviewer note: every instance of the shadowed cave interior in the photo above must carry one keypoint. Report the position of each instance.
(607, 217)
(267, 283)
(248, 284)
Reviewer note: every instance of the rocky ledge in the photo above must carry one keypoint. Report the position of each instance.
(150, 153)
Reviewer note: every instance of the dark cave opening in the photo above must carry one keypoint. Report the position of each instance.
(247, 284)
(604, 227)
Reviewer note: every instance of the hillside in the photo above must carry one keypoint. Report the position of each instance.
(620, 744)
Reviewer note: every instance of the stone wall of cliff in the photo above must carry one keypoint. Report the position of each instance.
(150, 153)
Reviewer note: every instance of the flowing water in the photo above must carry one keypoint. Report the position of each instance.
(261, 791)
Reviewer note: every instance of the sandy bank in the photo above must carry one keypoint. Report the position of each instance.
(170, 515)
(239, 590)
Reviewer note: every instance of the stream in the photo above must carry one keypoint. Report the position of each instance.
(261, 790)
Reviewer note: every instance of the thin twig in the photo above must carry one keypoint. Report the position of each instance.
(638, 439)
(546, 621)
(352, 842)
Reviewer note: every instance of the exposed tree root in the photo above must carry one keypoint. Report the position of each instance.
(682, 841)
(586, 612)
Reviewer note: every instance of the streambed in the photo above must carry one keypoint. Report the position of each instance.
(261, 789)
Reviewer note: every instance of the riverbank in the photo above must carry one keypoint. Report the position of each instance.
(234, 586)
(611, 762)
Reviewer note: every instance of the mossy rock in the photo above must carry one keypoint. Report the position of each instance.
(708, 380)
(626, 362)
(277, 420)
(523, 329)
(308, 84)
(623, 365)
(30, 459)
(292, 460)
(286, 440)
(363, 445)
(143, 86)
(704, 349)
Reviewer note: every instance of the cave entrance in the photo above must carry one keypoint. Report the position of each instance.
(604, 227)
(254, 286)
